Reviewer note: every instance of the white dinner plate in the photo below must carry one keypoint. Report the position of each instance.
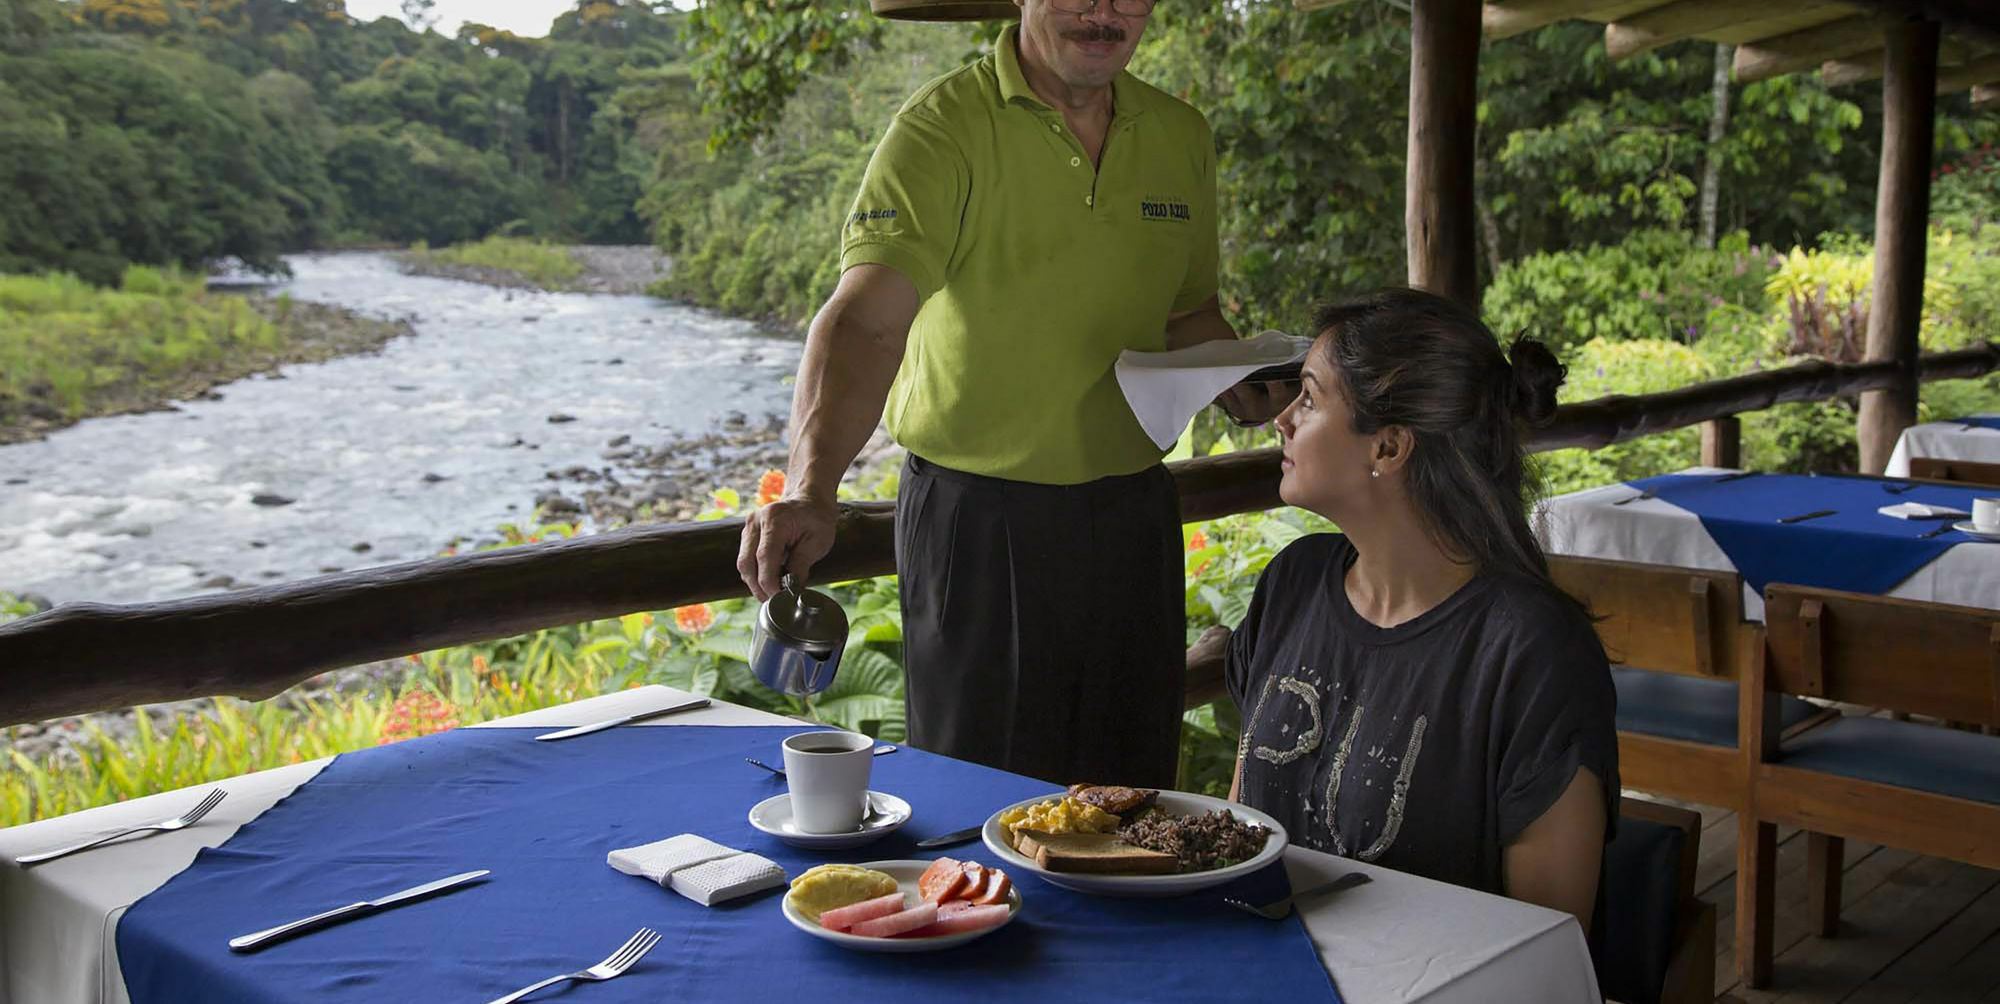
(1966, 526)
(1180, 803)
(774, 816)
(906, 874)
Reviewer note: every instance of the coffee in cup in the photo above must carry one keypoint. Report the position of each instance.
(1986, 514)
(828, 776)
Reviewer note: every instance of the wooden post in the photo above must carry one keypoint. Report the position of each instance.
(1438, 202)
(1722, 442)
(1902, 211)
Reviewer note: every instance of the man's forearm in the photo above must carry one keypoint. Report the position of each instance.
(1202, 324)
(843, 383)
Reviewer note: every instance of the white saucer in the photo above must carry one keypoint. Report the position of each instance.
(774, 816)
(1966, 526)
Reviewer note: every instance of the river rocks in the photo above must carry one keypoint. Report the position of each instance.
(217, 582)
(434, 477)
(616, 441)
(555, 506)
(362, 548)
(270, 499)
(559, 417)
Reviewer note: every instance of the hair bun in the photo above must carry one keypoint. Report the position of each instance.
(1537, 374)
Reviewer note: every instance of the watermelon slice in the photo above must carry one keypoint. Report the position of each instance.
(972, 918)
(896, 923)
(842, 918)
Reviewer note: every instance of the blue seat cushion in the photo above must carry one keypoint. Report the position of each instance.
(1697, 709)
(1906, 754)
(1638, 907)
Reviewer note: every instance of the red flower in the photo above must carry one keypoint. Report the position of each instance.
(418, 713)
(770, 487)
(694, 619)
(1197, 541)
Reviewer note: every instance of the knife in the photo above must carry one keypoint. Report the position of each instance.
(954, 837)
(612, 723)
(1802, 517)
(261, 938)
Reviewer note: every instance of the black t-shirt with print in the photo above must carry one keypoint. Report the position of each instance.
(1425, 747)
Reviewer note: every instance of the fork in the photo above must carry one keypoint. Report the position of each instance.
(182, 821)
(1642, 496)
(1939, 532)
(614, 965)
(1280, 909)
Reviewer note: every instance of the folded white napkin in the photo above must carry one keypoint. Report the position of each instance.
(699, 868)
(1166, 389)
(1921, 510)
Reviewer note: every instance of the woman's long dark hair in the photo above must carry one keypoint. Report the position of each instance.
(1417, 360)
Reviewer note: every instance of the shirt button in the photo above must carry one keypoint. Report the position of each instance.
(1074, 161)
(1089, 201)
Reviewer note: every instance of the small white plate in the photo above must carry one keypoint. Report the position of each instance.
(1180, 803)
(906, 874)
(774, 816)
(1968, 527)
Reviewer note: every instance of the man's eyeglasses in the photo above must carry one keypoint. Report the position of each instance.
(1124, 8)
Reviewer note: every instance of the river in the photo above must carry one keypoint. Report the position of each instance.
(376, 459)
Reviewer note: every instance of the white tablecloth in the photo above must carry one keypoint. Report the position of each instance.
(1943, 441)
(1587, 524)
(1398, 938)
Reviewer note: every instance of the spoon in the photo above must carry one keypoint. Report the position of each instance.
(881, 750)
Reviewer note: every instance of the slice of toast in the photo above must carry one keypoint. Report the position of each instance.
(1097, 853)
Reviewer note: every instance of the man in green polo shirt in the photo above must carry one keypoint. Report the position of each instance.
(1024, 220)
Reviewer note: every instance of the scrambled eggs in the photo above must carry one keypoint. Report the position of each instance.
(1066, 816)
(827, 887)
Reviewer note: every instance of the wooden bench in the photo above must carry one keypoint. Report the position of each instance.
(1960, 471)
(1915, 786)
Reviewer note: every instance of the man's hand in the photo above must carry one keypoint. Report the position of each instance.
(1253, 404)
(789, 535)
(1212, 646)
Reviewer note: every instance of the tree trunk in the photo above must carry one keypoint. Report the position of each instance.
(1718, 127)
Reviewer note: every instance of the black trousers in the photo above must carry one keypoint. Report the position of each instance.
(1044, 626)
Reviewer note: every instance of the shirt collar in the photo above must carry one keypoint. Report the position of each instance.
(1014, 83)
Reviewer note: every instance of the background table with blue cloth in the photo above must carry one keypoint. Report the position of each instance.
(1698, 520)
(1975, 438)
(1397, 940)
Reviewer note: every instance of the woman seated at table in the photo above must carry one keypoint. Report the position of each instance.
(1415, 691)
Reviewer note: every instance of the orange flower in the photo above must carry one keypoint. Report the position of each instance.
(1198, 541)
(479, 664)
(770, 487)
(694, 619)
(418, 713)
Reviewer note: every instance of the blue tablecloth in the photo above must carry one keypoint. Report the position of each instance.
(542, 816)
(1982, 421)
(1857, 549)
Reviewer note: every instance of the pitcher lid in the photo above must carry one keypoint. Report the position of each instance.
(806, 616)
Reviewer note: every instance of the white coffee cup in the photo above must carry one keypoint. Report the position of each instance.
(827, 772)
(1986, 514)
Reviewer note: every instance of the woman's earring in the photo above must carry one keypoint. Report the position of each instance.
(1374, 472)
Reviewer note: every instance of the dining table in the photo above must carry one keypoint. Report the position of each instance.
(1975, 438)
(149, 912)
(1811, 530)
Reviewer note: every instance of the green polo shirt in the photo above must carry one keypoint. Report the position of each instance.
(1034, 268)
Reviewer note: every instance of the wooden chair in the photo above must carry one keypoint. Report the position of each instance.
(1961, 471)
(1679, 643)
(1903, 784)
(1657, 940)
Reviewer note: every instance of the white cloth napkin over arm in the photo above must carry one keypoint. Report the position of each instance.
(699, 868)
(1921, 510)
(1166, 389)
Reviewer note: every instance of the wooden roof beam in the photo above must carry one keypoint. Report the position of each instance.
(1647, 30)
(1799, 50)
(1868, 65)
(1517, 16)
(1979, 71)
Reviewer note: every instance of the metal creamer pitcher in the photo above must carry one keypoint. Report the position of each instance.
(798, 641)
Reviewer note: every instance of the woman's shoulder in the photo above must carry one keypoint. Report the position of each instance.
(1535, 620)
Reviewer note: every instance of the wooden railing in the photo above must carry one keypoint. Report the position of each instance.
(82, 657)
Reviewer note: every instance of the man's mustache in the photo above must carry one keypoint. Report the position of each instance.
(1096, 33)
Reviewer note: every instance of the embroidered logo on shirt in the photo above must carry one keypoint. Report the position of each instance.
(866, 215)
(1165, 209)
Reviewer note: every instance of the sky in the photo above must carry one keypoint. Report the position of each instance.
(522, 17)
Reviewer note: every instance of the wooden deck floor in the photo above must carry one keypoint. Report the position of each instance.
(1912, 928)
